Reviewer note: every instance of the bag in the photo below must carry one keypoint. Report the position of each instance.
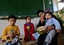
(36, 35)
(15, 40)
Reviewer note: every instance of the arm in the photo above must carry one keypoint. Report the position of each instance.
(4, 34)
(58, 31)
(18, 32)
(49, 28)
(49, 25)
(25, 31)
(32, 29)
(57, 26)
(38, 24)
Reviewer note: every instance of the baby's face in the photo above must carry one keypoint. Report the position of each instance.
(48, 16)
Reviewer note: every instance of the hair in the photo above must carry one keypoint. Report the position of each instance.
(39, 12)
(27, 17)
(49, 13)
(55, 18)
(12, 16)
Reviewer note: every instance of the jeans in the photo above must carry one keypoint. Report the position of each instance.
(9, 43)
(50, 35)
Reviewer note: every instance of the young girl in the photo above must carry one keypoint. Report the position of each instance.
(51, 20)
(28, 29)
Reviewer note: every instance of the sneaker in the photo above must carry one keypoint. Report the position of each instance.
(45, 43)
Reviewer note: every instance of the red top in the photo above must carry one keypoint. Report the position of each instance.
(31, 29)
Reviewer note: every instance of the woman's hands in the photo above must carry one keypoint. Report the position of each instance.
(58, 31)
(49, 28)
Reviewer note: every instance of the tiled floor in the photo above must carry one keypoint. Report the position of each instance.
(2, 43)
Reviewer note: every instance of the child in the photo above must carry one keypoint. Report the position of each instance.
(28, 29)
(51, 20)
(11, 32)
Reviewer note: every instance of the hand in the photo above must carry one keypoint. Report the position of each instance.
(49, 28)
(3, 40)
(58, 31)
(10, 35)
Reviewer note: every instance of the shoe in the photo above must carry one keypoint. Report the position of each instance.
(45, 43)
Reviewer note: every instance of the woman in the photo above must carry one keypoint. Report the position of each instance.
(42, 23)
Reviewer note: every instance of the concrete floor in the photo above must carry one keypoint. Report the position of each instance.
(23, 43)
(60, 41)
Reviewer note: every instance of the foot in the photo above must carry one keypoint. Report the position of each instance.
(45, 43)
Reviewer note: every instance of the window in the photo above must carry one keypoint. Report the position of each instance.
(59, 0)
(60, 5)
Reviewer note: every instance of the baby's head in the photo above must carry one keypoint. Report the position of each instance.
(48, 15)
(11, 20)
(28, 19)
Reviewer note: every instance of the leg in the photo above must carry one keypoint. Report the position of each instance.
(8, 43)
(26, 37)
(49, 37)
(54, 40)
(32, 38)
(18, 43)
(41, 39)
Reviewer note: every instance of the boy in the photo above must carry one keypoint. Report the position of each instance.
(11, 32)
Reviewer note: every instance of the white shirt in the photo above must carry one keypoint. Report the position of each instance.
(52, 21)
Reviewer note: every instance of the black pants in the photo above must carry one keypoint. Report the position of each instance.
(54, 40)
(42, 38)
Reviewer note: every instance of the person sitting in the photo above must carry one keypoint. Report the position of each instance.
(51, 20)
(28, 29)
(11, 33)
(42, 37)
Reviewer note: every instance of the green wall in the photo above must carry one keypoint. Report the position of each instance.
(23, 7)
(20, 7)
(48, 5)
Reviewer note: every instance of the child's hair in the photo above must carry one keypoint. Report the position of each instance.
(39, 12)
(27, 17)
(49, 13)
(12, 16)
(55, 18)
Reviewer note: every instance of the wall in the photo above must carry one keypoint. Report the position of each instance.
(48, 4)
(55, 5)
(20, 23)
(20, 7)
